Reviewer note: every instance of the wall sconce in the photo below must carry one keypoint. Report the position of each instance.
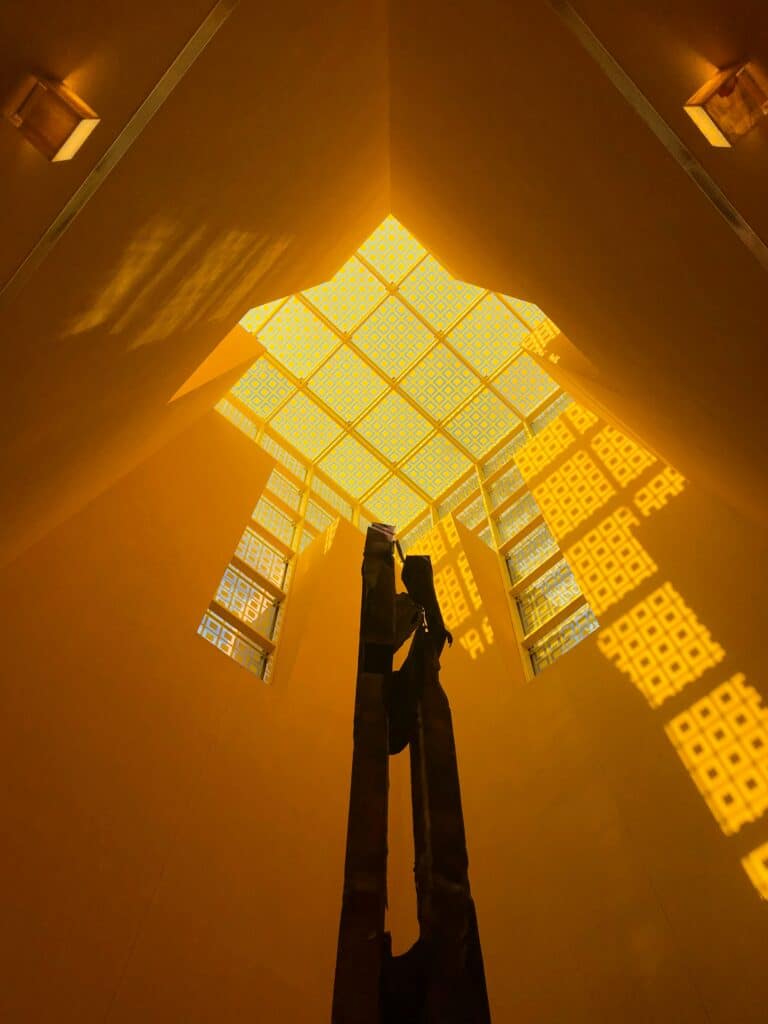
(730, 104)
(50, 116)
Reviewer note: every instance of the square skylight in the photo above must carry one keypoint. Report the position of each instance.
(394, 426)
(488, 335)
(352, 466)
(435, 466)
(297, 338)
(304, 425)
(392, 250)
(440, 382)
(348, 296)
(347, 384)
(393, 337)
(436, 295)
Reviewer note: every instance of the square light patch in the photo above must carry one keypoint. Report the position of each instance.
(488, 335)
(435, 466)
(392, 337)
(304, 425)
(297, 338)
(482, 423)
(347, 384)
(392, 250)
(262, 388)
(394, 427)
(440, 382)
(255, 318)
(529, 312)
(524, 384)
(349, 296)
(436, 295)
(395, 502)
(352, 467)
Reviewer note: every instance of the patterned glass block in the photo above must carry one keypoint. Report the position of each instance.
(331, 497)
(255, 318)
(609, 561)
(363, 522)
(513, 519)
(473, 514)
(530, 553)
(353, 466)
(392, 337)
(239, 419)
(524, 384)
(262, 388)
(392, 250)
(572, 493)
(658, 491)
(284, 457)
(543, 449)
(560, 404)
(284, 489)
(756, 866)
(486, 536)
(305, 540)
(347, 384)
(552, 591)
(238, 647)
(722, 740)
(436, 295)
(623, 458)
(532, 315)
(318, 517)
(304, 425)
(435, 466)
(505, 486)
(440, 382)
(262, 558)
(394, 426)
(415, 533)
(349, 296)
(660, 645)
(249, 602)
(297, 338)
(488, 335)
(394, 502)
(505, 453)
(563, 638)
(482, 423)
(272, 519)
(457, 495)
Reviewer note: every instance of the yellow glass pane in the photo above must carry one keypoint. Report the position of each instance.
(392, 250)
(255, 318)
(394, 427)
(349, 296)
(262, 388)
(297, 338)
(482, 424)
(352, 466)
(347, 384)
(436, 295)
(435, 466)
(529, 312)
(392, 337)
(525, 384)
(440, 382)
(488, 335)
(304, 425)
(396, 503)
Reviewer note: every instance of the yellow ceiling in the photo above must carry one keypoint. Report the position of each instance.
(393, 378)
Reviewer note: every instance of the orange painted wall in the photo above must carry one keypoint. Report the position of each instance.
(174, 828)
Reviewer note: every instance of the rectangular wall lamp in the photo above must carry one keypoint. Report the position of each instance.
(52, 117)
(729, 104)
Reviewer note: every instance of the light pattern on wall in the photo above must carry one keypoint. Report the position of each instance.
(660, 645)
(552, 411)
(756, 866)
(580, 418)
(544, 449)
(609, 562)
(722, 740)
(569, 495)
(623, 458)
(657, 492)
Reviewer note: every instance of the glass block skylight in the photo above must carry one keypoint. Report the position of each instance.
(393, 379)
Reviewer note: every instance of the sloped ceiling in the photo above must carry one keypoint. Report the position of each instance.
(512, 157)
